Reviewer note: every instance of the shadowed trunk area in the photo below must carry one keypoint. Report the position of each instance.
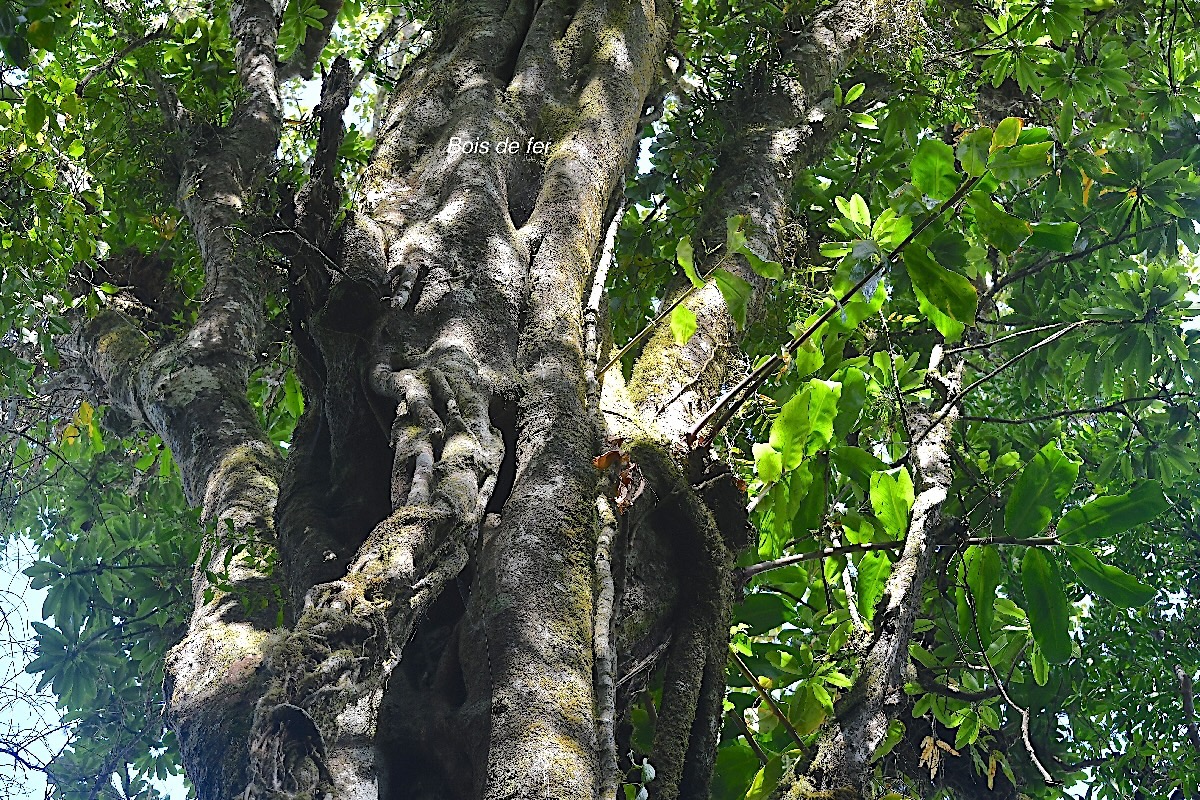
(438, 518)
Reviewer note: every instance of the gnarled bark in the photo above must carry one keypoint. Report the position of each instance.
(436, 518)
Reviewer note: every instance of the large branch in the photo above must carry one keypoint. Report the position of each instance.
(846, 746)
(776, 133)
(192, 392)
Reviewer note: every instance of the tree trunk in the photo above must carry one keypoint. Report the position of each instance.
(450, 629)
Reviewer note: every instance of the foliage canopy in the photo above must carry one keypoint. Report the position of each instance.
(1001, 224)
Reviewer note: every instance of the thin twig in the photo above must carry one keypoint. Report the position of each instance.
(117, 57)
(954, 401)
(395, 25)
(1069, 412)
(746, 573)
(993, 342)
(1034, 541)
(766, 696)
(749, 734)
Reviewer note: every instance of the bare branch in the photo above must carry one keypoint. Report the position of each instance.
(746, 573)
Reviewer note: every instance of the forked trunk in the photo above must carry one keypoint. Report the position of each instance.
(479, 556)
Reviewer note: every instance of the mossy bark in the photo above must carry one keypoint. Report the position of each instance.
(435, 519)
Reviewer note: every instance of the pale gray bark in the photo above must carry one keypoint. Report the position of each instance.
(861, 720)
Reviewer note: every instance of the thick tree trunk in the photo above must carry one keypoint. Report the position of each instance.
(451, 631)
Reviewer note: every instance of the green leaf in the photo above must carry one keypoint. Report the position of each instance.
(949, 292)
(982, 567)
(805, 712)
(293, 397)
(999, 228)
(852, 401)
(873, 571)
(1039, 492)
(1111, 583)
(890, 229)
(933, 169)
(763, 612)
(854, 92)
(892, 499)
(950, 328)
(35, 113)
(805, 423)
(735, 239)
(973, 150)
(1007, 133)
(855, 209)
(1047, 607)
(856, 464)
(1108, 516)
(75, 149)
(1041, 668)
(767, 780)
(967, 732)
(686, 259)
(736, 292)
(768, 462)
(1056, 236)
(768, 269)
(895, 734)
(1021, 163)
(683, 324)
(735, 242)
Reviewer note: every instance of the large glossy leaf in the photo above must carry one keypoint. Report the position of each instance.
(1039, 492)
(982, 573)
(805, 712)
(892, 499)
(1108, 516)
(1001, 229)
(805, 423)
(873, 571)
(933, 169)
(949, 292)
(972, 151)
(683, 324)
(1057, 236)
(767, 779)
(856, 463)
(1021, 163)
(768, 463)
(1111, 583)
(763, 612)
(1047, 606)
(736, 292)
(686, 258)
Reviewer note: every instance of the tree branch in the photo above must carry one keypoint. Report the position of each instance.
(845, 749)
(1119, 405)
(775, 132)
(746, 573)
(1189, 707)
(305, 59)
